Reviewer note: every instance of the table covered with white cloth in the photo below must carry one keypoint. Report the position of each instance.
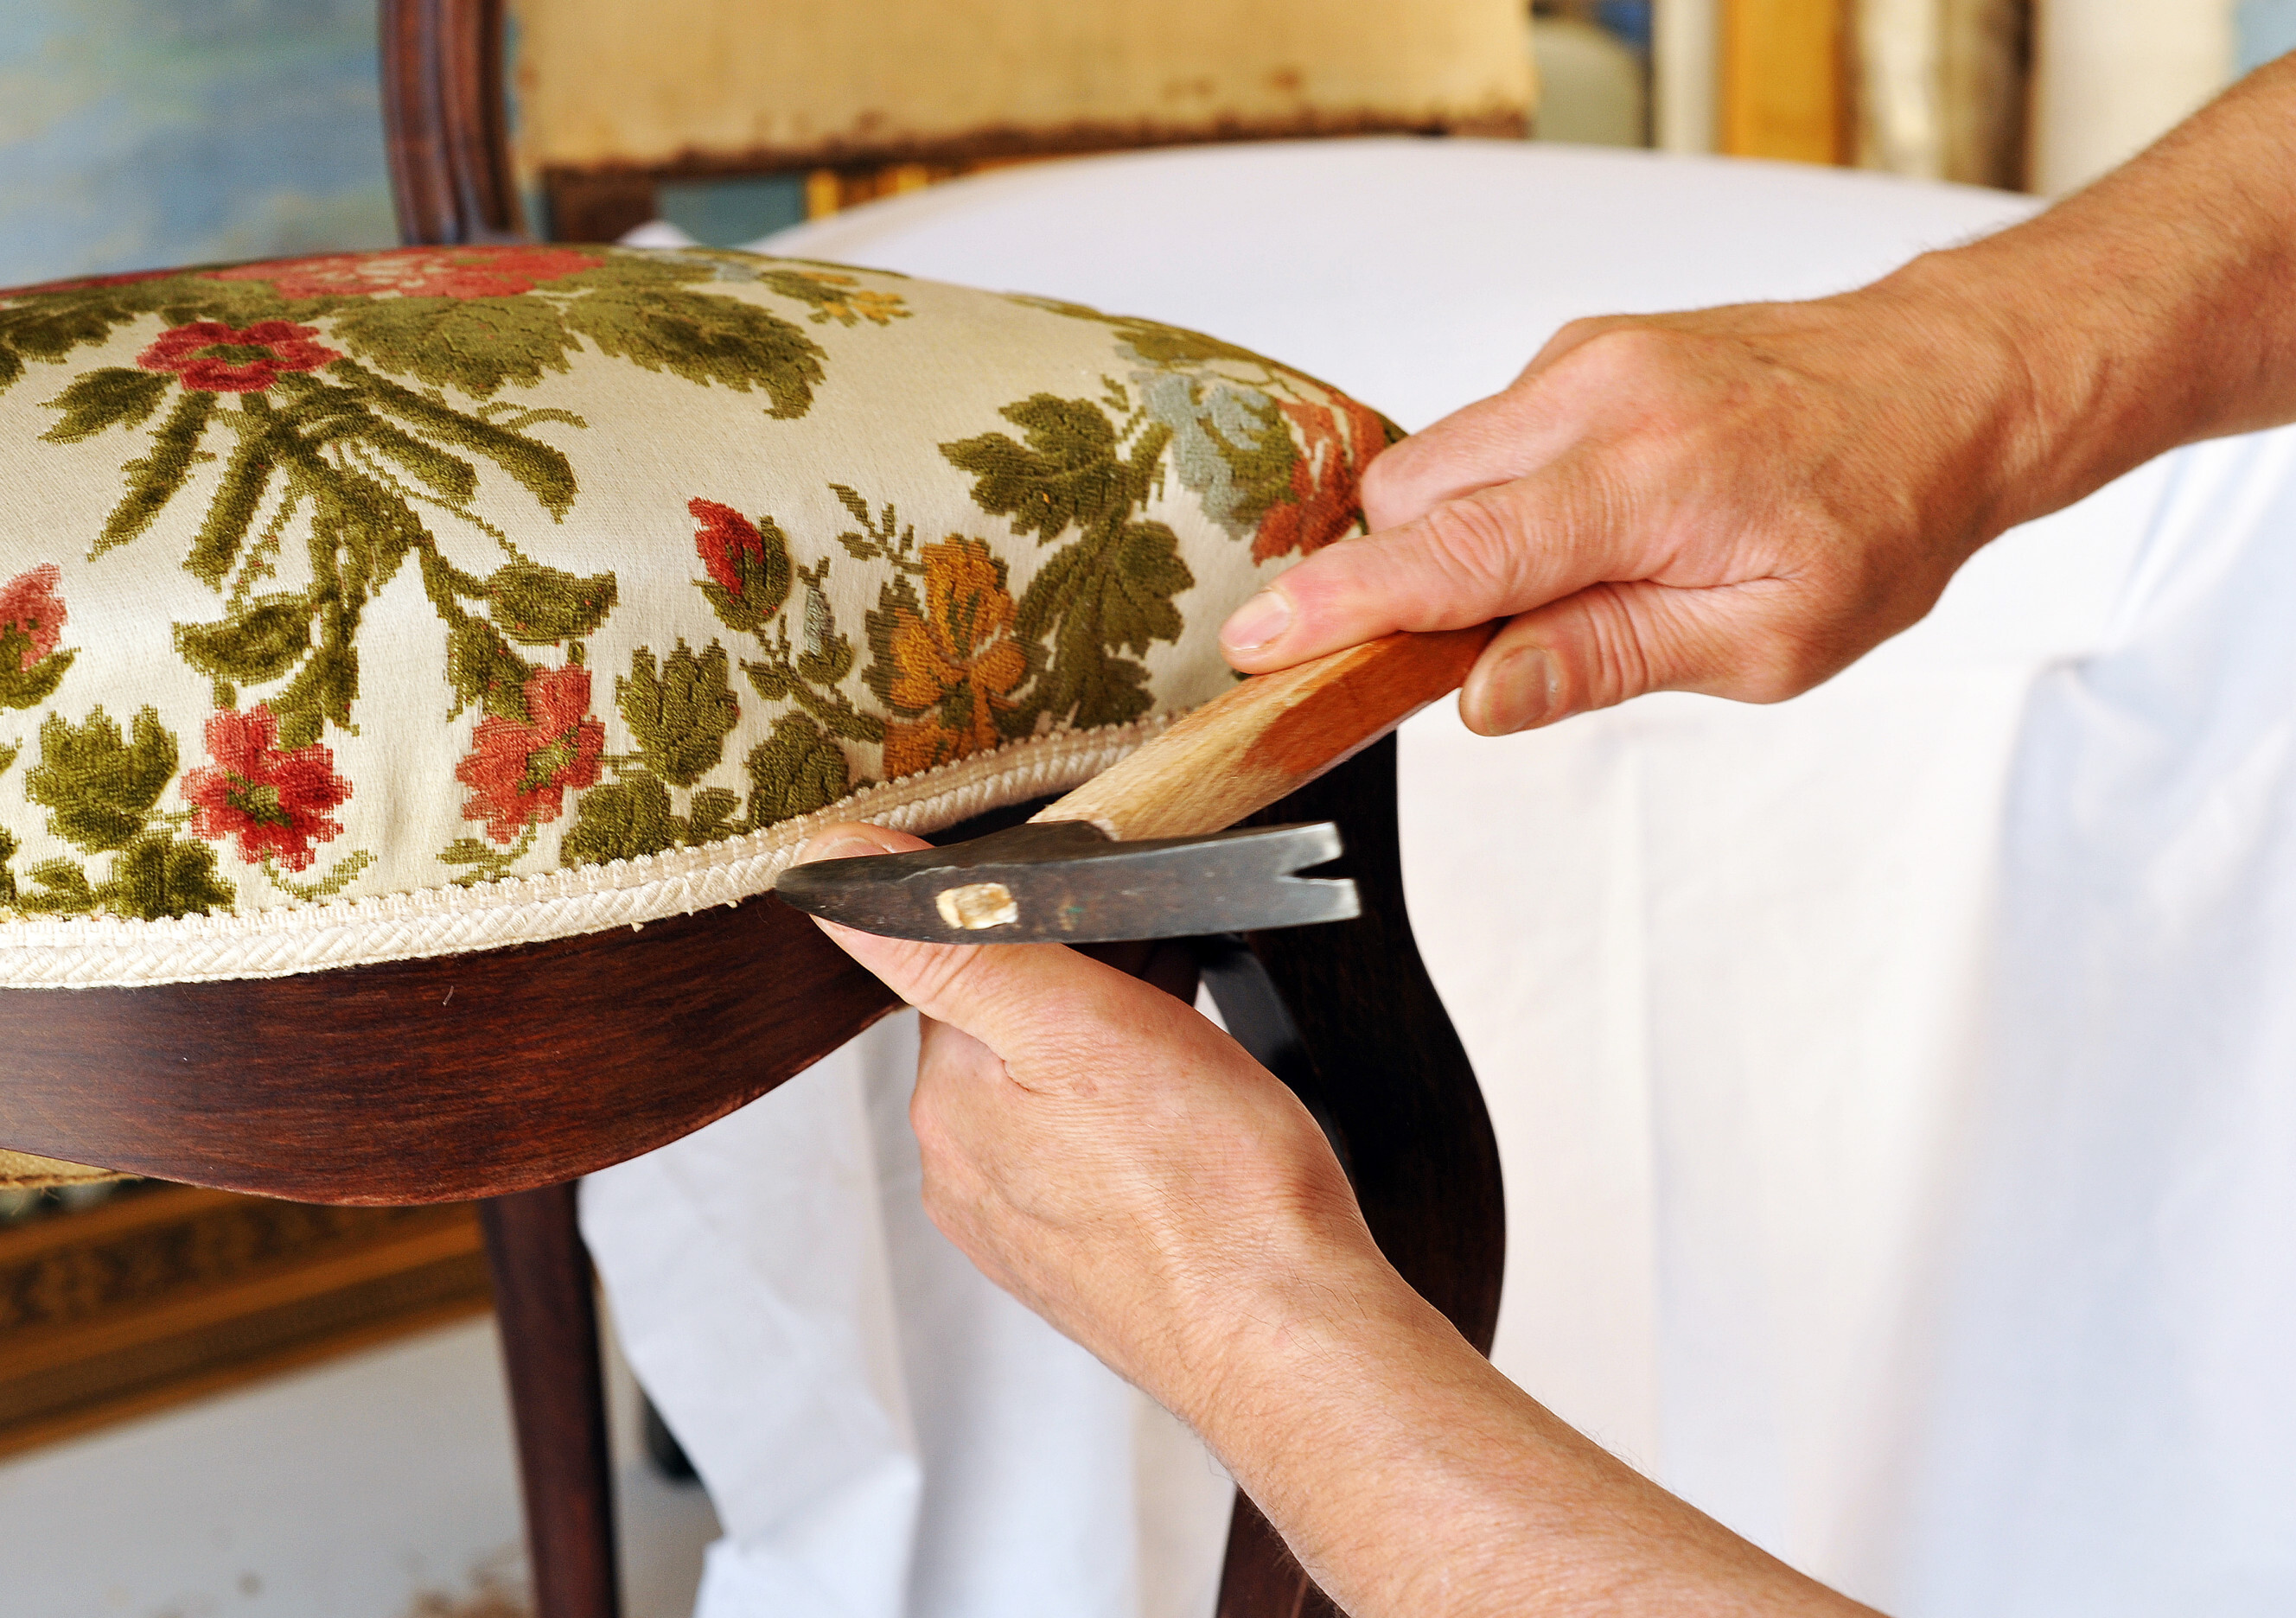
(1895, 1087)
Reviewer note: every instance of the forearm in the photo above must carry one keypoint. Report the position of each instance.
(1123, 1168)
(2156, 308)
(1412, 1478)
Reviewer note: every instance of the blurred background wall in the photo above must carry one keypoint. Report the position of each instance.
(144, 132)
(2035, 94)
(2113, 74)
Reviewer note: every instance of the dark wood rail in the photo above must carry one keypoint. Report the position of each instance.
(444, 120)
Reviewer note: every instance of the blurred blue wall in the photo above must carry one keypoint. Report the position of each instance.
(2268, 29)
(137, 133)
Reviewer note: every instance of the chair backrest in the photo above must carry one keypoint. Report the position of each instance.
(615, 98)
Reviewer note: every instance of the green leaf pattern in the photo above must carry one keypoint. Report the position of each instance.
(375, 500)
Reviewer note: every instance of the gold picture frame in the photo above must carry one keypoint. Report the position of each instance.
(168, 1293)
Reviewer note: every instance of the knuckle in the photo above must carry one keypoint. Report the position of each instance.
(1391, 490)
(946, 979)
(1801, 661)
(1377, 483)
(1575, 333)
(1571, 335)
(1627, 348)
(1638, 373)
(1774, 674)
(949, 1210)
(1780, 649)
(1466, 542)
(1331, 573)
(928, 1118)
(1794, 661)
(1615, 658)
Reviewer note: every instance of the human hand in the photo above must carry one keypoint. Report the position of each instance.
(1126, 1170)
(1111, 1158)
(1736, 501)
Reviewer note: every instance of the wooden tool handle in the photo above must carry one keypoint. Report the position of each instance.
(1241, 751)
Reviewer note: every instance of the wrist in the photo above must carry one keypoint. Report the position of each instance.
(1989, 394)
(1409, 1476)
(2142, 315)
(1337, 1323)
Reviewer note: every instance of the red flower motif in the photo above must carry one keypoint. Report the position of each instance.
(418, 271)
(31, 607)
(212, 358)
(723, 540)
(749, 567)
(1325, 500)
(275, 803)
(519, 773)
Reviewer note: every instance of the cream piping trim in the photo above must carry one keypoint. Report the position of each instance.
(87, 952)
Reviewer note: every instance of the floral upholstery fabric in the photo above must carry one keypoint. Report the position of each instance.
(384, 604)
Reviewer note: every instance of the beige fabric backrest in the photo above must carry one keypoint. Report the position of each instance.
(766, 84)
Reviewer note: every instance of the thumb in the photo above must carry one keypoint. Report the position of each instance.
(1753, 641)
(1021, 1000)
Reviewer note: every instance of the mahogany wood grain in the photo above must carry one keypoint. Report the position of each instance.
(1271, 735)
(1393, 1078)
(586, 204)
(432, 1081)
(446, 127)
(551, 1360)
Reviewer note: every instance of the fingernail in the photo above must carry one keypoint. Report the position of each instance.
(1524, 689)
(1256, 623)
(843, 848)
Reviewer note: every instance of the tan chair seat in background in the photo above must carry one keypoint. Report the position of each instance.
(783, 85)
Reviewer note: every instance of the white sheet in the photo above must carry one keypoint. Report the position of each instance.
(2107, 1423)
(1889, 1138)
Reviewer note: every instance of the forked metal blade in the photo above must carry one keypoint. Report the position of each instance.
(1068, 882)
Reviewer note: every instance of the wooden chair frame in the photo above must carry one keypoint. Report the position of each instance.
(505, 1076)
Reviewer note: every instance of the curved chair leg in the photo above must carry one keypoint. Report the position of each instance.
(1371, 1051)
(557, 1395)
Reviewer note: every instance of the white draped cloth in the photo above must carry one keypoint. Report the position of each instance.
(1895, 1087)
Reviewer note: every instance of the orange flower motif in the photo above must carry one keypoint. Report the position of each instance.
(1324, 500)
(950, 668)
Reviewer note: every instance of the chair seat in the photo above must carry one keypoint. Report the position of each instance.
(375, 606)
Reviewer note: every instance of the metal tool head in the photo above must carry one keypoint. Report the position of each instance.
(1068, 882)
